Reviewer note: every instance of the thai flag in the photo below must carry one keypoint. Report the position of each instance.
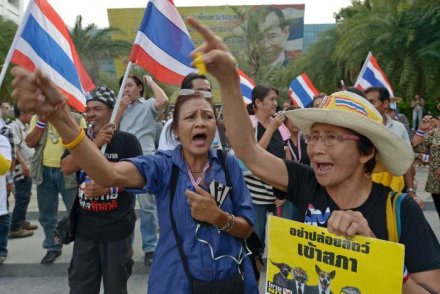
(43, 42)
(301, 91)
(372, 75)
(246, 86)
(163, 45)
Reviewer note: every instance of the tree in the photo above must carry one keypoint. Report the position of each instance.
(402, 34)
(96, 45)
(7, 33)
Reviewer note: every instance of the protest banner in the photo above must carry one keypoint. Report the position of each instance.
(309, 257)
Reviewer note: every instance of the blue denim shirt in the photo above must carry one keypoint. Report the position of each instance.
(167, 272)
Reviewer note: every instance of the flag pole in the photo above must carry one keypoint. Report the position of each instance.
(118, 99)
(14, 43)
(364, 67)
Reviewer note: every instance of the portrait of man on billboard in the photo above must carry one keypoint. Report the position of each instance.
(274, 28)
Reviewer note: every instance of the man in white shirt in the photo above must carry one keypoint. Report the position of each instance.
(22, 178)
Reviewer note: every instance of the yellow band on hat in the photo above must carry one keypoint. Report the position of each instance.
(346, 101)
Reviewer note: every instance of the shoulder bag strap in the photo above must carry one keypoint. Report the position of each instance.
(173, 185)
(394, 201)
(222, 155)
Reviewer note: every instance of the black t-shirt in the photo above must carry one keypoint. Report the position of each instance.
(109, 217)
(276, 143)
(422, 249)
(275, 147)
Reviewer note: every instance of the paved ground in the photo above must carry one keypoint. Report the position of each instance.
(22, 272)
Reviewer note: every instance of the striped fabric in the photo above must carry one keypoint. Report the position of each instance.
(301, 91)
(246, 86)
(261, 192)
(43, 42)
(372, 75)
(163, 45)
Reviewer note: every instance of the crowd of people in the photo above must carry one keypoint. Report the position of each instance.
(343, 161)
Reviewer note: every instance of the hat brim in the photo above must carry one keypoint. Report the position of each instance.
(393, 154)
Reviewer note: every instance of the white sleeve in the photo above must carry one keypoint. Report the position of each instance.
(5, 147)
(167, 141)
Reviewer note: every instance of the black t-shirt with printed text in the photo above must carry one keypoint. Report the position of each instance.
(422, 249)
(109, 217)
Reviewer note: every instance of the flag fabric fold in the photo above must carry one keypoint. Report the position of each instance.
(163, 46)
(246, 86)
(44, 43)
(372, 75)
(301, 91)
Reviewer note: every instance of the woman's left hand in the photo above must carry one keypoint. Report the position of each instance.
(349, 223)
(202, 205)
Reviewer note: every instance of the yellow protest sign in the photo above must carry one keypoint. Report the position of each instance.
(309, 257)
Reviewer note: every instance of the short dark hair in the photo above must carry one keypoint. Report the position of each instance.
(356, 91)
(137, 81)
(261, 91)
(366, 147)
(383, 93)
(187, 81)
(17, 111)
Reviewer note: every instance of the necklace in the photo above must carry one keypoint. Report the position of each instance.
(53, 135)
(298, 148)
(199, 179)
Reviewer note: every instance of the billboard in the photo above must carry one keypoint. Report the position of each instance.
(268, 35)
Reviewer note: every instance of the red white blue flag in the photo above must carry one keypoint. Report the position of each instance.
(163, 45)
(301, 91)
(372, 75)
(43, 42)
(246, 86)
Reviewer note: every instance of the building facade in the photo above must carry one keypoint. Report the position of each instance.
(11, 10)
(313, 31)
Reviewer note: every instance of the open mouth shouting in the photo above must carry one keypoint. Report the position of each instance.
(200, 139)
(322, 168)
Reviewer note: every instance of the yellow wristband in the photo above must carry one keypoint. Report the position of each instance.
(75, 141)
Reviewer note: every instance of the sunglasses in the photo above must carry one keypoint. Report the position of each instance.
(191, 92)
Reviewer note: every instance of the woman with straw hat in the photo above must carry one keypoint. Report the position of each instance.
(346, 142)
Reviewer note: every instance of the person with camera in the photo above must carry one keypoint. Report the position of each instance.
(272, 135)
(105, 216)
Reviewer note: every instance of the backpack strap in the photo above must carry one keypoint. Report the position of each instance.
(222, 155)
(173, 185)
(393, 215)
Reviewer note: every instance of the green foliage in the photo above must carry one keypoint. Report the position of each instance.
(403, 35)
(96, 45)
(7, 33)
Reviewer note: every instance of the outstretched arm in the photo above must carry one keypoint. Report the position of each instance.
(36, 93)
(222, 65)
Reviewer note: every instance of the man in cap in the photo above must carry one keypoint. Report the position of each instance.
(105, 215)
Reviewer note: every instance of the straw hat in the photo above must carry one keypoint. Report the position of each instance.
(349, 110)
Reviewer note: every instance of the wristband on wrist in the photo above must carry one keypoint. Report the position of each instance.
(75, 141)
(229, 223)
(420, 133)
(40, 124)
(406, 275)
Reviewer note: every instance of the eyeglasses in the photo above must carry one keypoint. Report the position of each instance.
(190, 92)
(330, 139)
